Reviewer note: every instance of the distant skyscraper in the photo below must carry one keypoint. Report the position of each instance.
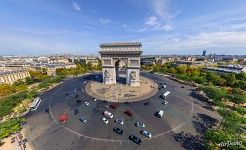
(204, 53)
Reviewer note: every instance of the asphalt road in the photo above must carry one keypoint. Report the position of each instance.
(45, 133)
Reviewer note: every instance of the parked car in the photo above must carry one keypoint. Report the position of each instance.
(67, 94)
(104, 106)
(140, 124)
(104, 120)
(135, 139)
(108, 114)
(119, 121)
(146, 133)
(113, 106)
(78, 101)
(83, 120)
(118, 130)
(76, 96)
(182, 86)
(105, 101)
(87, 103)
(128, 113)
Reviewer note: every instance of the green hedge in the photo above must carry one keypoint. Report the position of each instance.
(9, 127)
(8, 103)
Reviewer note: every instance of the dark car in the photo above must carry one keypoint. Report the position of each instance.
(47, 110)
(105, 101)
(113, 106)
(128, 113)
(76, 96)
(67, 94)
(76, 111)
(135, 139)
(118, 130)
(182, 86)
(78, 101)
(146, 103)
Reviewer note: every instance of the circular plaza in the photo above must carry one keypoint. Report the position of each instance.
(122, 92)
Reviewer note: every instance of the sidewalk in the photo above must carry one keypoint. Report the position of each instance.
(16, 142)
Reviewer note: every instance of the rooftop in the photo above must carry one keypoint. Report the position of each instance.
(121, 44)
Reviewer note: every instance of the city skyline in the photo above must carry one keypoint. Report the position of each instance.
(163, 26)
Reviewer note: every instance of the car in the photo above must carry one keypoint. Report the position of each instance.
(165, 102)
(119, 121)
(126, 103)
(78, 101)
(140, 124)
(85, 82)
(104, 120)
(146, 103)
(182, 86)
(67, 94)
(159, 114)
(83, 120)
(128, 113)
(95, 99)
(146, 133)
(113, 106)
(76, 96)
(135, 139)
(76, 111)
(104, 106)
(118, 130)
(105, 101)
(47, 110)
(108, 114)
(87, 103)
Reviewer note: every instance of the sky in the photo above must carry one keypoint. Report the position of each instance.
(164, 27)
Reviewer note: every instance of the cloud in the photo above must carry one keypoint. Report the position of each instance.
(151, 21)
(76, 6)
(162, 9)
(218, 42)
(104, 20)
(124, 25)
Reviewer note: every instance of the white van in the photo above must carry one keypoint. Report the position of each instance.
(164, 95)
(160, 113)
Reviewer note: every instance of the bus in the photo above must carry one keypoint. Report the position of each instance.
(164, 95)
(35, 103)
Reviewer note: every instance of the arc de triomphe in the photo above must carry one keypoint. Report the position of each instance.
(113, 53)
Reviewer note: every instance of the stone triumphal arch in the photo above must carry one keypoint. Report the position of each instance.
(113, 53)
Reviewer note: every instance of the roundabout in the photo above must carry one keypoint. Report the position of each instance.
(178, 112)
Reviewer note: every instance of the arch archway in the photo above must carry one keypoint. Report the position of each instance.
(112, 54)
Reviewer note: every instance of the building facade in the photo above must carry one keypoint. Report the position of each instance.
(9, 77)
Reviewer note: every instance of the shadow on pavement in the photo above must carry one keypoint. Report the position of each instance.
(189, 141)
(201, 122)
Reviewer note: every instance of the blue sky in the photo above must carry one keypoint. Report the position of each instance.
(29, 27)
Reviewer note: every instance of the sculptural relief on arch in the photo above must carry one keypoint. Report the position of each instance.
(114, 53)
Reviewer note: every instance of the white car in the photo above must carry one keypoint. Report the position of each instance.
(108, 114)
(165, 102)
(140, 124)
(119, 121)
(104, 120)
(95, 99)
(85, 82)
(87, 103)
(146, 133)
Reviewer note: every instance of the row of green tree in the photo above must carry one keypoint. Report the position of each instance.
(9, 102)
(196, 74)
(79, 69)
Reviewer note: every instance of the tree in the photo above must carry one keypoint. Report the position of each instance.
(5, 89)
(172, 70)
(241, 76)
(181, 69)
(230, 78)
